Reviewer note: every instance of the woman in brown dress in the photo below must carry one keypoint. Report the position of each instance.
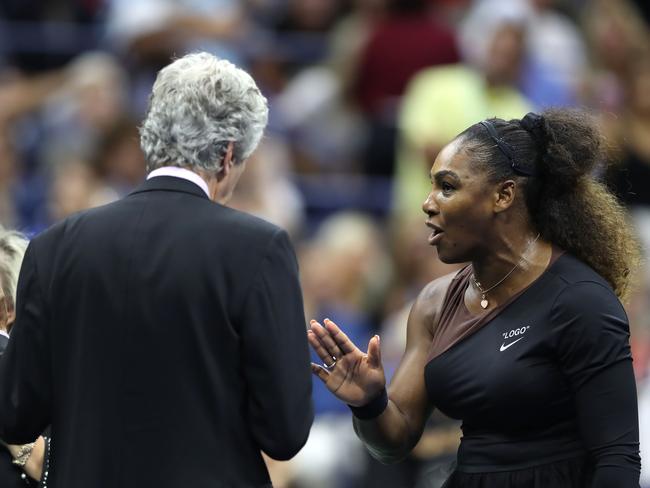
(528, 344)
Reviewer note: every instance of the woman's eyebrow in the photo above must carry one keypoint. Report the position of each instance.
(437, 177)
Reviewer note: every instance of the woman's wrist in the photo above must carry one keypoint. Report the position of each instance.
(372, 409)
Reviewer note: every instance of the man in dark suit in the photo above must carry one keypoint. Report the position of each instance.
(163, 336)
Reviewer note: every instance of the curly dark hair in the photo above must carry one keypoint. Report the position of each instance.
(566, 202)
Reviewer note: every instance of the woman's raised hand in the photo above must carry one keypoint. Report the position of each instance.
(350, 374)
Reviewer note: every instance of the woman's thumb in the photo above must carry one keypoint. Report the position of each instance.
(374, 352)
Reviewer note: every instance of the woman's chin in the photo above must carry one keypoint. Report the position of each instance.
(448, 256)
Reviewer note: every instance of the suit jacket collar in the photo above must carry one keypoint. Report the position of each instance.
(3, 343)
(170, 183)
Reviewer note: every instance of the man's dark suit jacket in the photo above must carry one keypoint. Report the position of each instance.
(163, 338)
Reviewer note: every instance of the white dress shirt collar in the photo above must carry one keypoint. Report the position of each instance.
(4, 333)
(183, 173)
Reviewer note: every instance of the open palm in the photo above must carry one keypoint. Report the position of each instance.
(350, 374)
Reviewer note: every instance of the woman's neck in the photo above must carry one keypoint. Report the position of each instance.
(505, 271)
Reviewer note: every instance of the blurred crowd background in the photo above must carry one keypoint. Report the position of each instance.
(362, 94)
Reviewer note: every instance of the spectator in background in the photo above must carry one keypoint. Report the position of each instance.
(629, 179)
(87, 107)
(22, 99)
(406, 40)
(267, 190)
(440, 102)
(314, 109)
(74, 28)
(345, 271)
(556, 65)
(348, 38)
(340, 114)
(30, 457)
(118, 160)
(554, 60)
(152, 31)
(74, 187)
(148, 33)
(630, 174)
(12, 250)
(300, 32)
(616, 35)
(59, 118)
(308, 16)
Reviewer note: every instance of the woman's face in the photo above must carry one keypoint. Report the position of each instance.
(460, 206)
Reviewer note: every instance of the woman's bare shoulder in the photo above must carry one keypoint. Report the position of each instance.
(428, 305)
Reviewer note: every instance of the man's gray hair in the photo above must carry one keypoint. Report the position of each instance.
(200, 103)
(12, 250)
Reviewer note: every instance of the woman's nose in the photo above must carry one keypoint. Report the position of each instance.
(429, 206)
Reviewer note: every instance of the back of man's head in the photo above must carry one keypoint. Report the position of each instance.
(198, 105)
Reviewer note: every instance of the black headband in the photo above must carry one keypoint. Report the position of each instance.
(507, 150)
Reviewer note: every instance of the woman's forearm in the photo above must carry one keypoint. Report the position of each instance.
(387, 437)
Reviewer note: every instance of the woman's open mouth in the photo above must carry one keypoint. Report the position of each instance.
(436, 235)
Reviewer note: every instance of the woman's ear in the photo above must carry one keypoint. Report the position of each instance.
(504, 195)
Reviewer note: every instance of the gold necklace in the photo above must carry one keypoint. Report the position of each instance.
(484, 300)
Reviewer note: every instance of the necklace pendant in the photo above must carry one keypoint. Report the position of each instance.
(484, 303)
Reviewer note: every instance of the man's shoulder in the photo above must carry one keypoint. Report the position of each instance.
(55, 231)
(200, 211)
(245, 221)
(204, 224)
(203, 212)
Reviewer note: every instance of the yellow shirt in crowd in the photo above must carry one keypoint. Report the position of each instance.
(440, 103)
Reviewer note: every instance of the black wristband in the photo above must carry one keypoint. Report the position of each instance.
(373, 409)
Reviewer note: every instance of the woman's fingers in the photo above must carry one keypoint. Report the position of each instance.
(326, 339)
(344, 343)
(319, 371)
(319, 349)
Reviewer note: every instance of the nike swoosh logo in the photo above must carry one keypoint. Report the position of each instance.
(504, 346)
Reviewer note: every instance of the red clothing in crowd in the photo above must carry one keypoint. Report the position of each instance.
(398, 48)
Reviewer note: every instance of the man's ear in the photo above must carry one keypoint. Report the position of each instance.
(504, 196)
(228, 162)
